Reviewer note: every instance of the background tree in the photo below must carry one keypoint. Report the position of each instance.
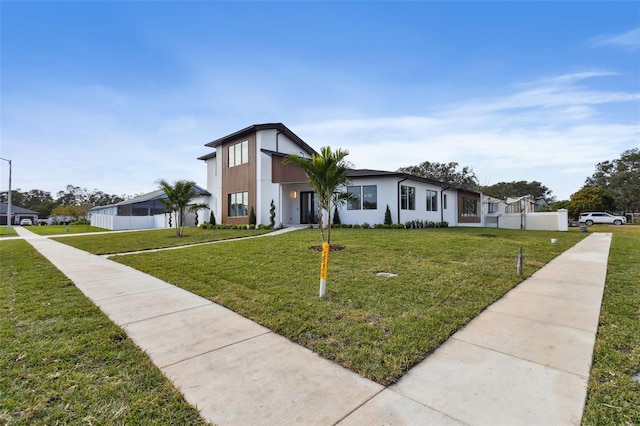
(77, 212)
(178, 196)
(590, 198)
(326, 173)
(444, 172)
(502, 190)
(621, 178)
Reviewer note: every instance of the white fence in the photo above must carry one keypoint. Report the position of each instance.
(538, 221)
(118, 223)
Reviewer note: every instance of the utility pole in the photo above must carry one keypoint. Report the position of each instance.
(9, 199)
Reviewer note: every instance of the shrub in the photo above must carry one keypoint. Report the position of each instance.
(272, 214)
(366, 226)
(336, 217)
(252, 217)
(356, 226)
(212, 218)
(387, 216)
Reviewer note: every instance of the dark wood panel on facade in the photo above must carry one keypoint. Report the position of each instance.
(463, 218)
(286, 173)
(239, 178)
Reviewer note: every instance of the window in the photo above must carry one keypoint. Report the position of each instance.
(353, 203)
(407, 198)
(493, 208)
(238, 153)
(238, 204)
(370, 197)
(362, 197)
(444, 201)
(432, 201)
(469, 207)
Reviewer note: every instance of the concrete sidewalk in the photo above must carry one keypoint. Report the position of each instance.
(525, 360)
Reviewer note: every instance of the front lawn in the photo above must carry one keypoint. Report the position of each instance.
(121, 242)
(64, 229)
(377, 326)
(62, 361)
(3, 231)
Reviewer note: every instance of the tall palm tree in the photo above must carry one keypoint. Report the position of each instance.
(178, 196)
(326, 173)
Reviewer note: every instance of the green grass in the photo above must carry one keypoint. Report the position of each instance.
(3, 232)
(614, 398)
(62, 229)
(63, 362)
(377, 326)
(121, 242)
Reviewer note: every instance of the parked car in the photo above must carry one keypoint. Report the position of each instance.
(26, 222)
(589, 218)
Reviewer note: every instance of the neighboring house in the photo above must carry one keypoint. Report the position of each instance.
(524, 204)
(18, 213)
(246, 171)
(492, 209)
(145, 211)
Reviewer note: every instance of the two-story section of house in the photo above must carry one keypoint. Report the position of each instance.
(246, 171)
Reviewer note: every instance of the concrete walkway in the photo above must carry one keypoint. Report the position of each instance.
(523, 361)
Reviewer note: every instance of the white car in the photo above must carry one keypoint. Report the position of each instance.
(26, 222)
(589, 218)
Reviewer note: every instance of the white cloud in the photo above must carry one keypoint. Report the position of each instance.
(630, 40)
(550, 131)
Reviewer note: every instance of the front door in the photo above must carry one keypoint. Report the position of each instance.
(308, 208)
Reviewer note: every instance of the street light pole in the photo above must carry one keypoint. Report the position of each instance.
(9, 200)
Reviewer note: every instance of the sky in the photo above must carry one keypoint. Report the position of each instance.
(114, 95)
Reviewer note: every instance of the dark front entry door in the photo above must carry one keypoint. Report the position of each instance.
(308, 208)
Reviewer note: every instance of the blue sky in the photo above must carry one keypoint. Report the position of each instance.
(116, 95)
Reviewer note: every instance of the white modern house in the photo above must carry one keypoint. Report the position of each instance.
(246, 171)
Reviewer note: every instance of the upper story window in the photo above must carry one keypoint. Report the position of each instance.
(492, 208)
(238, 153)
(407, 197)
(432, 201)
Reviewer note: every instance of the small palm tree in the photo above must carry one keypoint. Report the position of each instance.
(178, 196)
(326, 173)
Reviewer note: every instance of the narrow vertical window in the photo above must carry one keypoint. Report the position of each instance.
(432, 201)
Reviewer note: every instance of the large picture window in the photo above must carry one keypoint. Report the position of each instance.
(239, 204)
(432, 201)
(407, 197)
(238, 153)
(370, 197)
(469, 207)
(355, 199)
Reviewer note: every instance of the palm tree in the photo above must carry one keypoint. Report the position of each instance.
(326, 173)
(178, 196)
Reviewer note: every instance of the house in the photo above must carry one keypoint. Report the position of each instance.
(18, 213)
(145, 211)
(492, 209)
(246, 171)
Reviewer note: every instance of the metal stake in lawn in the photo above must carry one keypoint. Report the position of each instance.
(324, 268)
(520, 262)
